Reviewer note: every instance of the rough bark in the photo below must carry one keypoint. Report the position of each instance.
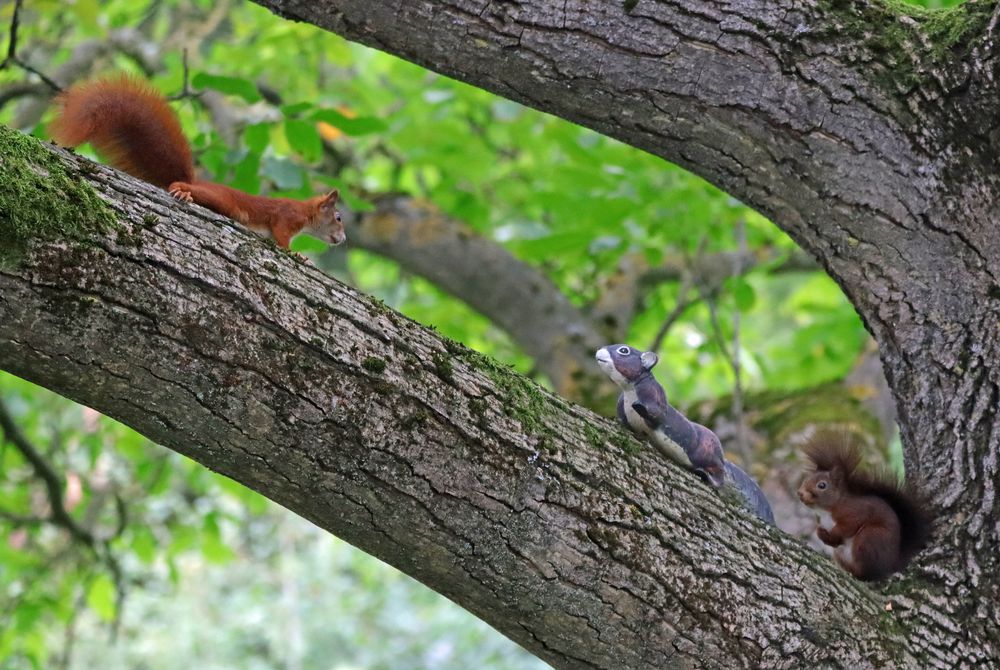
(867, 135)
(866, 131)
(540, 517)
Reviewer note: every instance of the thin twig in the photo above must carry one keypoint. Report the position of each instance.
(679, 308)
(60, 517)
(70, 636)
(12, 51)
(45, 472)
(742, 443)
(118, 579)
(21, 519)
(687, 281)
(713, 316)
(12, 43)
(186, 91)
(122, 511)
(732, 355)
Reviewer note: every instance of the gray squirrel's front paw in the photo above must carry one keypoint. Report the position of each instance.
(641, 410)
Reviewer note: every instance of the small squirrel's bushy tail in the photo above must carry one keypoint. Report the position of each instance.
(908, 504)
(130, 124)
(829, 450)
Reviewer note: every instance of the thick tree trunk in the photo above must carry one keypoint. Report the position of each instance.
(866, 131)
(543, 519)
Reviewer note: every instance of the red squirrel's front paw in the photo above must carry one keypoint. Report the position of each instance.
(181, 191)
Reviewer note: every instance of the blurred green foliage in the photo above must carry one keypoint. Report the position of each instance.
(214, 575)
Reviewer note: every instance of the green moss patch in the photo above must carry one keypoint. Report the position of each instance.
(373, 364)
(911, 40)
(523, 399)
(39, 200)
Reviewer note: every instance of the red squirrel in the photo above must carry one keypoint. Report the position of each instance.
(875, 523)
(133, 127)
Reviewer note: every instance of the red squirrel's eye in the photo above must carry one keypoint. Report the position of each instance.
(821, 486)
(337, 216)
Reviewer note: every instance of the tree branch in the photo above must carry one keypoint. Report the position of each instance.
(541, 518)
(12, 57)
(51, 480)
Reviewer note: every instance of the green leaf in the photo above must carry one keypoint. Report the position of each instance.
(295, 109)
(307, 243)
(144, 544)
(184, 539)
(101, 597)
(285, 174)
(744, 295)
(245, 177)
(355, 127)
(229, 85)
(216, 551)
(27, 614)
(257, 137)
(304, 138)
(212, 546)
(88, 12)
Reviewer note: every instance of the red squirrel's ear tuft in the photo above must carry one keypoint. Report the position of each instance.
(328, 202)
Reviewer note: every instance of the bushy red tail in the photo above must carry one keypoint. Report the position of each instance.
(908, 504)
(829, 450)
(130, 124)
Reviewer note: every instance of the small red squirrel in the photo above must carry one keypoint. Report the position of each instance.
(133, 127)
(875, 523)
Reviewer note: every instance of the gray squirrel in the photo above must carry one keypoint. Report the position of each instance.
(643, 407)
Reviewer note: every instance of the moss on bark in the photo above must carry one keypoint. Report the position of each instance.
(912, 41)
(40, 200)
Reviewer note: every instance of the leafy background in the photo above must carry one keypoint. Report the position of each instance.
(193, 569)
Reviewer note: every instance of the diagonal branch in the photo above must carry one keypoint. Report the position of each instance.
(541, 518)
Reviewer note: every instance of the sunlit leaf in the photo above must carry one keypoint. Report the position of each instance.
(307, 243)
(229, 85)
(304, 138)
(351, 126)
(101, 597)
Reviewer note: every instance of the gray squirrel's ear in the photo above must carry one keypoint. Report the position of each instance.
(649, 360)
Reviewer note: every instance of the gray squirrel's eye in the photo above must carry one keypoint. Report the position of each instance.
(624, 351)
(821, 486)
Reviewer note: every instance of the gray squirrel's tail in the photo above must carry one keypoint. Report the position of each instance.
(754, 497)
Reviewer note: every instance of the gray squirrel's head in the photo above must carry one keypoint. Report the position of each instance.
(624, 364)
